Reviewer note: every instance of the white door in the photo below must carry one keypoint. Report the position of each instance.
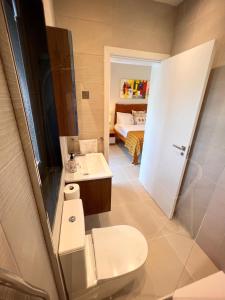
(176, 92)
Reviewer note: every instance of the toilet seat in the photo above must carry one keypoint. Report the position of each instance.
(118, 250)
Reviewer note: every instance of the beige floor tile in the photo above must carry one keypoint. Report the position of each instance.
(173, 226)
(134, 292)
(164, 269)
(182, 245)
(199, 265)
(185, 279)
(170, 245)
(141, 288)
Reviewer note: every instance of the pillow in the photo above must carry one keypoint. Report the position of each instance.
(139, 117)
(125, 119)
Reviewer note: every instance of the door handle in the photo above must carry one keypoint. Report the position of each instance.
(181, 148)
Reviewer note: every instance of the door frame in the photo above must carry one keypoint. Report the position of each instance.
(109, 52)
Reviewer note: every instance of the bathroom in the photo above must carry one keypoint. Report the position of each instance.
(182, 250)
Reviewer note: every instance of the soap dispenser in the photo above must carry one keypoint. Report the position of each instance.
(72, 163)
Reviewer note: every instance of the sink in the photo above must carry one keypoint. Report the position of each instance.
(81, 164)
(89, 167)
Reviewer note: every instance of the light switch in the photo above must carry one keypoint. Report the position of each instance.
(85, 95)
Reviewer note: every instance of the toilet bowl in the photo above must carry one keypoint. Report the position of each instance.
(98, 264)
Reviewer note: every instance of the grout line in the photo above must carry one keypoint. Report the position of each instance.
(77, 53)
(58, 15)
(11, 251)
(11, 161)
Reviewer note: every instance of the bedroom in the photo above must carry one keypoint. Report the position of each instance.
(127, 112)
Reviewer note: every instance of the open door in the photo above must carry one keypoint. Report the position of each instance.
(177, 90)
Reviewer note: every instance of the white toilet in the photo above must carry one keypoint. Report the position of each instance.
(99, 264)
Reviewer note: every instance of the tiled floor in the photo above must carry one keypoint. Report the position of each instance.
(174, 259)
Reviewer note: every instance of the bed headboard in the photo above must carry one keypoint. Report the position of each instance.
(127, 108)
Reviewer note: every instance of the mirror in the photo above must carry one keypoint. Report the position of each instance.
(26, 25)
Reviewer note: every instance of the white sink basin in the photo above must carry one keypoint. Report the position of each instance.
(89, 167)
(81, 164)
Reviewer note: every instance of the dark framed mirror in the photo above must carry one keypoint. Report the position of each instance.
(27, 31)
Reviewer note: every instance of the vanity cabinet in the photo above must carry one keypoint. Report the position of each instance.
(96, 195)
(62, 70)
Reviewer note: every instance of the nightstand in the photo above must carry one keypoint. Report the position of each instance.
(112, 138)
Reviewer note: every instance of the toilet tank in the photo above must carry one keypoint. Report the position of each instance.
(72, 245)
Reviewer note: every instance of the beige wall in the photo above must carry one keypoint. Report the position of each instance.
(22, 245)
(142, 25)
(125, 71)
(199, 21)
(49, 12)
(201, 206)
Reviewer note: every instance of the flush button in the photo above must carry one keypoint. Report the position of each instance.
(72, 219)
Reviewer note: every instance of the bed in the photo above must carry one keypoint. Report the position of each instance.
(131, 135)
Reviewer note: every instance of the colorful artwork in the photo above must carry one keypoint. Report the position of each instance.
(134, 89)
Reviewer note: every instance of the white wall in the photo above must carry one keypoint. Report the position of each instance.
(125, 71)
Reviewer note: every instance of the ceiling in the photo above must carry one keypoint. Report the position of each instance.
(170, 2)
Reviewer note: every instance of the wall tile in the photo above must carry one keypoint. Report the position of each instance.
(96, 11)
(212, 230)
(10, 145)
(198, 208)
(96, 93)
(84, 73)
(91, 39)
(126, 14)
(146, 16)
(145, 25)
(187, 12)
(90, 112)
(201, 203)
(23, 237)
(7, 260)
(199, 21)
(49, 12)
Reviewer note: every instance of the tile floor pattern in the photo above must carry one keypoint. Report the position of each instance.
(174, 259)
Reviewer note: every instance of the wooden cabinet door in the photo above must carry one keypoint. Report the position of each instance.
(62, 68)
(96, 195)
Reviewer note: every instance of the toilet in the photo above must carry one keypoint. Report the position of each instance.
(98, 264)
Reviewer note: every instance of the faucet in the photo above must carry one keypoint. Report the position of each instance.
(72, 166)
(72, 163)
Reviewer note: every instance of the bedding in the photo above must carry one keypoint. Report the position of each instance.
(131, 134)
(134, 144)
(139, 117)
(125, 118)
(124, 129)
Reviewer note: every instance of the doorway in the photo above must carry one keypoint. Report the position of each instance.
(128, 102)
(113, 54)
(176, 97)
(129, 91)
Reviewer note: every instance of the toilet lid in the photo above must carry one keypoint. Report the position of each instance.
(118, 250)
